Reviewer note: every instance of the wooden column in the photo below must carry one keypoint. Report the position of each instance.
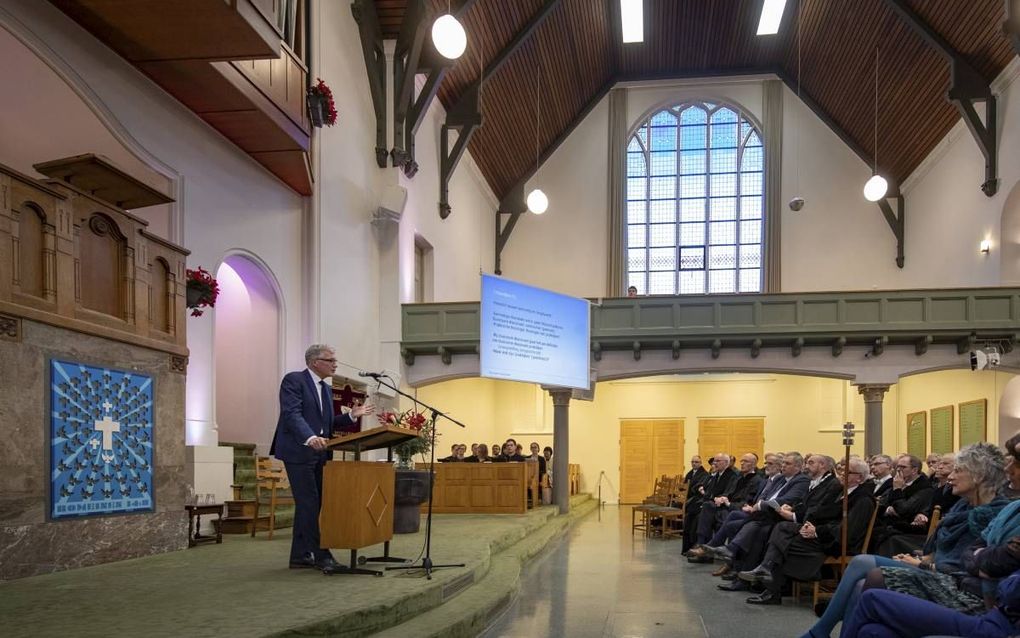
(873, 394)
(561, 448)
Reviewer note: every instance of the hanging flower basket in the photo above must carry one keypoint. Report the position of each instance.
(321, 107)
(201, 291)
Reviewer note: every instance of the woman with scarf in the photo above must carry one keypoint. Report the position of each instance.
(980, 471)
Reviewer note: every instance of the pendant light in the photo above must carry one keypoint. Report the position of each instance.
(537, 201)
(876, 187)
(796, 203)
(448, 35)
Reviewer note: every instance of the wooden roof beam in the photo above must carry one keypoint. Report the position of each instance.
(365, 14)
(966, 86)
(468, 100)
(1012, 24)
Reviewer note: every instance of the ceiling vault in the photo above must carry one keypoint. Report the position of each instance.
(966, 86)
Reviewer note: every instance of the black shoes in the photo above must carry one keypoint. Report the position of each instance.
(765, 598)
(310, 562)
(736, 585)
(759, 574)
(722, 553)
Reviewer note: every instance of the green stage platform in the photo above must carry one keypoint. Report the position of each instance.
(244, 587)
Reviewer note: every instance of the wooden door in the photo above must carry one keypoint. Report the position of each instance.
(649, 448)
(735, 436)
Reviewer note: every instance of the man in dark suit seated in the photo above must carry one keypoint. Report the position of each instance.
(306, 422)
(696, 474)
(718, 483)
(747, 545)
(882, 467)
(913, 538)
(740, 492)
(453, 454)
(797, 548)
(911, 494)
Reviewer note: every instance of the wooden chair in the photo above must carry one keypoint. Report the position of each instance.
(837, 564)
(936, 517)
(271, 477)
(574, 471)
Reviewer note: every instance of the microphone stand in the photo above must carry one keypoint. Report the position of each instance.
(426, 561)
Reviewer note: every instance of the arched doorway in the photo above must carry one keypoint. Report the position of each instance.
(1009, 264)
(247, 353)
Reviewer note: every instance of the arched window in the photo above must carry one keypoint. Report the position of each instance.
(695, 202)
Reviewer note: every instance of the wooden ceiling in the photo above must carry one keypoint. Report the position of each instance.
(575, 55)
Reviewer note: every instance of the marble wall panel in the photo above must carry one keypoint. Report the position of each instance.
(32, 544)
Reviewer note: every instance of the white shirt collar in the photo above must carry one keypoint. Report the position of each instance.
(879, 481)
(315, 378)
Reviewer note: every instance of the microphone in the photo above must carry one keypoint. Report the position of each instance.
(374, 375)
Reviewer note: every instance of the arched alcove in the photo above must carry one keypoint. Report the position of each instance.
(1009, 410)
(246, 354)
(1009, 260)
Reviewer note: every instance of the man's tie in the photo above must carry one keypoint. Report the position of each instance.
(327, 405)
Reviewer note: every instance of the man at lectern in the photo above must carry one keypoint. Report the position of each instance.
(306, 423)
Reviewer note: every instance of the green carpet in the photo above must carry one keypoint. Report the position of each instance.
(243, 587)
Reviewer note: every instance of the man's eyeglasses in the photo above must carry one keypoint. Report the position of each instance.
(326, 360)
(902, 467)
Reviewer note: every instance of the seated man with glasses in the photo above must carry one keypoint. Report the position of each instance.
(307, 421)
(910, 495)
(799, 550)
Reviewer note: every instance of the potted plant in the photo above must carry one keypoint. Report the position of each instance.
(321, 107)
(412, 487)
(201, 290)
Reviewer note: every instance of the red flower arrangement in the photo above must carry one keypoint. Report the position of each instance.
(321, 105)
(202, 290)
(410, 420)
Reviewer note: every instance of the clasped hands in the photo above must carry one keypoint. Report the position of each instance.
(807, 530)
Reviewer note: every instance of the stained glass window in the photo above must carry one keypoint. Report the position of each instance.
(695, 178)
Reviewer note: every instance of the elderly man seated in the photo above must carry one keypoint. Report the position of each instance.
(744, 489)
(798, 549)
(719, 482)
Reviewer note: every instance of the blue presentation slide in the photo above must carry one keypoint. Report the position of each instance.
(534, 335)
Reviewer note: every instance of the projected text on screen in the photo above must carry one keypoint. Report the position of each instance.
(530, 334)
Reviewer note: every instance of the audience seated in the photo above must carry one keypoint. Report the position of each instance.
(718, 483)
(747, 546)
(481, 454)
(537, 456)
(697, 474)
(454, 449)
(932, 461)
(910, 495)
(887, 614)
(979, 472)
(969, 565)
(747, 485)
(509, 453)
(881, 474)
(798, 549)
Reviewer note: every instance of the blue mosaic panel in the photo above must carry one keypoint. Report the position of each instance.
(101, 437)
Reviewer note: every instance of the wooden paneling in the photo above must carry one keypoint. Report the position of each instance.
(159, 295)
(101, 264)
(357, 504)
(480, 488)
(28, 273)
(733, 436)
(179, 29)
(649, 448)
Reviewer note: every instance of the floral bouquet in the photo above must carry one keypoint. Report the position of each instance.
(411, 420)
(321, 106)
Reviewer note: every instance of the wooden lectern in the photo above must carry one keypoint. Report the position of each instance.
(357, 496)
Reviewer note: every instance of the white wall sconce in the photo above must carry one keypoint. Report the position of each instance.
(985, 247)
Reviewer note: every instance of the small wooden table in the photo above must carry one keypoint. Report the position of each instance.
(195, 513)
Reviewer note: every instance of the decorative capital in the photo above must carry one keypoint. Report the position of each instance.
(873, 392)
(560, 396)
(178, 364)
(10, 328)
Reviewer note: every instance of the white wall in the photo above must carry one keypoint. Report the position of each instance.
(838, 241)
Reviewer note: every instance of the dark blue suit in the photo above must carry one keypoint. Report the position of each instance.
(300, 419)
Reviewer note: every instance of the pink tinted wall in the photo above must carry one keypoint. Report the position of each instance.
(247, 354)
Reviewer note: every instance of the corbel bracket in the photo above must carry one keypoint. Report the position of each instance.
(464, 118)
(896, 221)
(467, 106)
(365, 15)
(406, 56)
(966, 86)
(514, 206)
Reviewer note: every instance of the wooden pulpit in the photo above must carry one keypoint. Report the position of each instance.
(357, 496)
